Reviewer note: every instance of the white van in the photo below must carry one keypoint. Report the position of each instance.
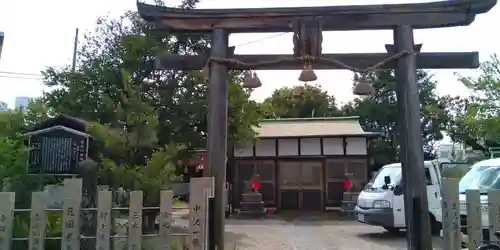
(482, 176)
(381, 202)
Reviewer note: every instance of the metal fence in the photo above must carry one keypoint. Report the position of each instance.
(72, 214)
(477, 217)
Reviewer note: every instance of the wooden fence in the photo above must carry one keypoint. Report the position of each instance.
(478, 210)
(70, 237)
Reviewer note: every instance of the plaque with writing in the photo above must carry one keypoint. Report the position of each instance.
(56, 150)
(200, 190)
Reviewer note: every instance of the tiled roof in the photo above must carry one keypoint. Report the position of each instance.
(311, 127)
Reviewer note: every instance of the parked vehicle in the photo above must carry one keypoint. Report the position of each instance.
(491, 245)
(483, 176)
(381, 202)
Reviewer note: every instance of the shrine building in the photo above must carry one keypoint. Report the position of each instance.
(303, 163)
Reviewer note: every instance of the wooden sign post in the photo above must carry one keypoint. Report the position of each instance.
(200, 190)
(6, 219)
(38, 220)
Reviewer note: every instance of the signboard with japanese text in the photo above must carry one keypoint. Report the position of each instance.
(56, 150)
(6, 219)
(71, 214)
(200, 190)
(104, 203)
(38, 220)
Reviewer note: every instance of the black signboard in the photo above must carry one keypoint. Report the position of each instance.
(56, 150)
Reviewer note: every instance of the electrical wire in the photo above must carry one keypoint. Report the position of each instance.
(19, 73)
(34, 76)
(22, 77)
(261, 39)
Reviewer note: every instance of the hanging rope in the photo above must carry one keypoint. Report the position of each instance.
(307, 59)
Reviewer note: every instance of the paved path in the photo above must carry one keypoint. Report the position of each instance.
(312, 235)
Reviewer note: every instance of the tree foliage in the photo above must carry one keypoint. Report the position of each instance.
(179, 97)
(480, 114)
(143, 118)
(379, 113)
(14, 152)
(300, 102)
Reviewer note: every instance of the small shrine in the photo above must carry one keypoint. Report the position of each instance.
(302, 164)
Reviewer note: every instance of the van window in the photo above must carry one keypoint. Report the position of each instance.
(378, 181)
(483, 178)
(428, 178)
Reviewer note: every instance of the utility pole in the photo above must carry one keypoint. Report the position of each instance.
(75, 48)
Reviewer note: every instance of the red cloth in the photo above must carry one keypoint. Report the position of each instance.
(255, 185)
(347, 184)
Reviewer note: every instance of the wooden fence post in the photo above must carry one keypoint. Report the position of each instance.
(6, 218)
(197, 211)
(166, 198)
(71, 214)
(38, 220)
(474, 220)
(494, 212)
(451, 214)
(104, 203)
(135, 221)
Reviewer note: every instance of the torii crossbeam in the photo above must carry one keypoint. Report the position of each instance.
(307, 25)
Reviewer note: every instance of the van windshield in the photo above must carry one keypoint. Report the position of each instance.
(378, 181)
(482, 178)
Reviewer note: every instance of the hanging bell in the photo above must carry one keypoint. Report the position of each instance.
(251, 80)
(363, 88)
(307, 74)
(256, 80)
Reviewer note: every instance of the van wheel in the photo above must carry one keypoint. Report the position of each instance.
(436, 226)
(392, 230)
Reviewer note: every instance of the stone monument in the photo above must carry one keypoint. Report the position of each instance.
(251, 200)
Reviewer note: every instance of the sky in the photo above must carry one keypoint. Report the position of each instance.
(41, 33)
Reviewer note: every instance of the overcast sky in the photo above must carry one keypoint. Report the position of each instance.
(41, 33)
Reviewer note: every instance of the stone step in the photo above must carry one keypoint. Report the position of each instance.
(252, 214)
(251, 197)
(252, 206)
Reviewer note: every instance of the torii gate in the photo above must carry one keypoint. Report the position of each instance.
(308, 23)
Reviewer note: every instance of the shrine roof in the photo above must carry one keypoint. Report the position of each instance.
(312, 127)
(62, 121)
(355, 17)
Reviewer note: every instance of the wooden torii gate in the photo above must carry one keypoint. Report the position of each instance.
(307, 24)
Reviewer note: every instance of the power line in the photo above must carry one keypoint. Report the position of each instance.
(22, 75)
(261, 39)
(19, 73)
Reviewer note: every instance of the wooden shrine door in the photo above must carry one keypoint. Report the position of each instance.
(301, 185)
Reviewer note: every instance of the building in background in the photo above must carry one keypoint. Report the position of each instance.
(451, 151)
(3, 106)
(22, 102)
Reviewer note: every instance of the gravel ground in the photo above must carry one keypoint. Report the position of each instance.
(303, 233)
(313, 235)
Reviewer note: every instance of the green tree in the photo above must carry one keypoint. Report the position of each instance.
(129, 43)
(481, 118)
(300, 102)
(144, 114)
(14, 152)
(379, 113)
(134, 160)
